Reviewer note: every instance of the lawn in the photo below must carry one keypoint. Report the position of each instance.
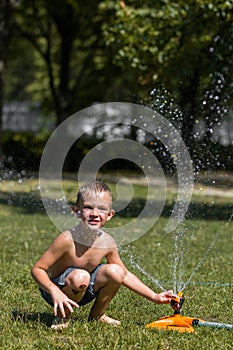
(26, 232)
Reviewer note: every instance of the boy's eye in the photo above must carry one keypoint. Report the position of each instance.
(88, 207)
(100, 209)
(104, 210)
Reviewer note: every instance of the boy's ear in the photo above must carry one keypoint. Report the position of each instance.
(75, 210)
(110, 214)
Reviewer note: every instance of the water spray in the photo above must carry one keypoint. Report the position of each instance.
(183, 323)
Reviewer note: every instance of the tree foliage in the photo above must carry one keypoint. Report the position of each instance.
(184, 46)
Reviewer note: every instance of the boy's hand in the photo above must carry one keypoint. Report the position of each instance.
(62, 302)
(164, 297)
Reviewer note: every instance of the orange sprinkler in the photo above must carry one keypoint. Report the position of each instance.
(175, 322)
(183, 323)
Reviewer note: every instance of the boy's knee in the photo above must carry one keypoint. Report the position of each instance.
(115, 272)
(78, 279)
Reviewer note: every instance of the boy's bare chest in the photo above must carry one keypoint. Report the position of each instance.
(86, 257)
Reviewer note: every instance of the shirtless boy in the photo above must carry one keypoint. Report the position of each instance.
(71, 274)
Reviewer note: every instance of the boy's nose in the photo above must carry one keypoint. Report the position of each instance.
(95, 211)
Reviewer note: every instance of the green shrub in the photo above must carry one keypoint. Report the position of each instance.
(23, 150)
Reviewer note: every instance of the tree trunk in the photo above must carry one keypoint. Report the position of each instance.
(64, 92)
(188, 103)
(5, 33)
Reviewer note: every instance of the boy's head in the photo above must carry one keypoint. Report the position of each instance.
(94, 204)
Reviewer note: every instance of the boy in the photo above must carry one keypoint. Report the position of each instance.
(70, 273)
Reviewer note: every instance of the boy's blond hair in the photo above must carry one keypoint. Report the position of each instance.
(92, 189)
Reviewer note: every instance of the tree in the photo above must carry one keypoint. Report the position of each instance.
(66, 37)
(38, 22)
(58, 32)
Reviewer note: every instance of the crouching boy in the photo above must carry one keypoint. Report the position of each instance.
(70, 273)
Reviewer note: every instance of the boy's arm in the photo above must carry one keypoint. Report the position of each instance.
(136, 285)
(39, 273)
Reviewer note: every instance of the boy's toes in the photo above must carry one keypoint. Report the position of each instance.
(106, 319)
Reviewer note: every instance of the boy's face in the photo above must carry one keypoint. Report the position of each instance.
(94, 212)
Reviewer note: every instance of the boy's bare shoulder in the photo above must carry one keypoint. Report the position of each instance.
(64, 239)
(67, 235)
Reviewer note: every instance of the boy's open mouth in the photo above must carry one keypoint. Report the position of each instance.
(93, 222)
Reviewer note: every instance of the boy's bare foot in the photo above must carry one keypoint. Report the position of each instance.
(106, 319)
(59, 323)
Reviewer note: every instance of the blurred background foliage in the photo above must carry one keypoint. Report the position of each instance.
(173, 56)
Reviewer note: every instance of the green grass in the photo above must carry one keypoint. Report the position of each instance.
(26, 232)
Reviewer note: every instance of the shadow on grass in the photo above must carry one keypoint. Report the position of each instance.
(28, 203)
(35, 317)
(42, 318)
(31, 204)
(205, 211)
(222, 212)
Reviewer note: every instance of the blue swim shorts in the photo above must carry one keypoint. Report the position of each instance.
(60, 282)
